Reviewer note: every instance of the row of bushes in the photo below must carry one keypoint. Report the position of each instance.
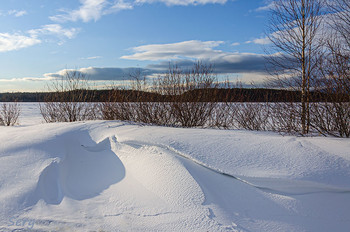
(283, 117)
(186, 106)
(326, 118)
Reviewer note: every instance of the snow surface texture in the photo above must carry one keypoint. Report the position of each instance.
(116, 176)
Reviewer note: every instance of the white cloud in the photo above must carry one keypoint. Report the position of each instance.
(55, 29)
(269, 5)
(292, 30)
(92, 58)
(94, 9)
(118, 6)
(10, 42)
(89, 10)
(16, 41)
(94, 73)
(235, 44)
(47, 78)
(261, 41)
(189, 49)
(183, 2)
(17, 13)
(253, 79)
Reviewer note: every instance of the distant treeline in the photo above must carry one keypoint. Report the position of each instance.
(217, 95)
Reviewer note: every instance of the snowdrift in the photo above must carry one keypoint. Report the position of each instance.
(116, 176)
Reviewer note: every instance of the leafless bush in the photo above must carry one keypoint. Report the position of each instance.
(116, 106)
(251, 116)
(109, 111)
(284, 117)
(9, 114)
(137, 103)
(68, 100)
(193, 94)
(222, 116)
(331, 118)
(157, 113)
(150, 106)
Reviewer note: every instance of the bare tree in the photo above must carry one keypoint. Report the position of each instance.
(9, 114)
(333, 116)
(341, 19)
(293, 31)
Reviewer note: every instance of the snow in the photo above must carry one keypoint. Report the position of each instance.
(120, 176)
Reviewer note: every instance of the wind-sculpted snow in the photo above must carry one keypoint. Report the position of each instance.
(115, 176)
(83, 173)
(273, 185)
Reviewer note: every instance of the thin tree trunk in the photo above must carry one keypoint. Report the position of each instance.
(304, 79)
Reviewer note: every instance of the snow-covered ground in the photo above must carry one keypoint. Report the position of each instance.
(118, 176)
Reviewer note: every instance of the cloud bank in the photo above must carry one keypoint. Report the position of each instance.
(183, 54)
(186, 53)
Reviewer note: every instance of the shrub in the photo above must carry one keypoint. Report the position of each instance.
(9, 114)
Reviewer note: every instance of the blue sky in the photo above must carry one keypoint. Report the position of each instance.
(40, 39)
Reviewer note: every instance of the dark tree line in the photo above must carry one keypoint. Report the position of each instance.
(221, 95)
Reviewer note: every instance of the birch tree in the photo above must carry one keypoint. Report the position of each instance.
(294, 30)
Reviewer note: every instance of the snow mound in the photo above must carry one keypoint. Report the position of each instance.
(114, 176)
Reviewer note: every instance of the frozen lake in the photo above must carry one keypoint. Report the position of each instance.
(30, 114)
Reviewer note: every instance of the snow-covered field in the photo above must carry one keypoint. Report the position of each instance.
(116, 176)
